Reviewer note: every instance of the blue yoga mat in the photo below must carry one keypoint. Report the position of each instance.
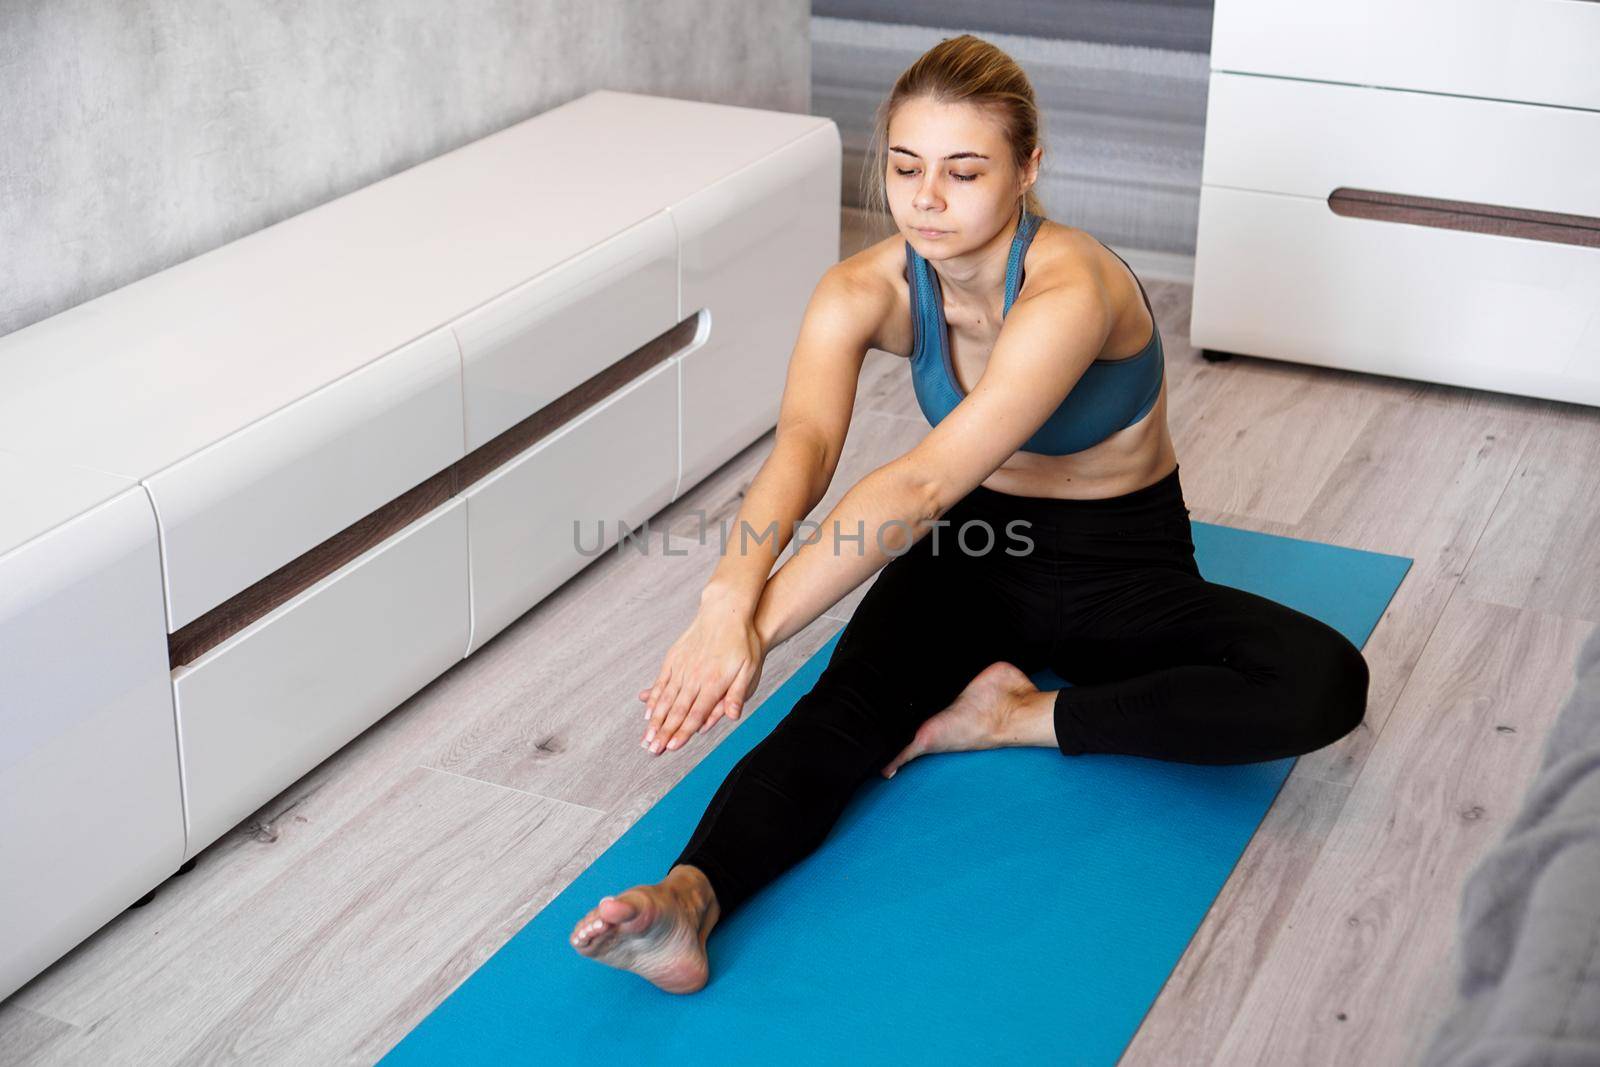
(1006, 906)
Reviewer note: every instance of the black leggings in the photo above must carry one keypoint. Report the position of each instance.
(1106, 593)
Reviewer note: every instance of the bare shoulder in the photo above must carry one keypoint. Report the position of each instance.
(1062, 256)
(866, 290)
(1070, 264)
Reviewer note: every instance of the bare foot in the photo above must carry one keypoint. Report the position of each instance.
(656, 931)
(983, 716)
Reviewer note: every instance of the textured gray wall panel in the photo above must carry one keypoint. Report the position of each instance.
(135, 135)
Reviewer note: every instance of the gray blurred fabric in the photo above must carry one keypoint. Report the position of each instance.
(1528, 983)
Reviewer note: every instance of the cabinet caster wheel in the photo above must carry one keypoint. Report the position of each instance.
(1211, 355)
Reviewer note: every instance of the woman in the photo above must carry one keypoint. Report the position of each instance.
(1060, 437)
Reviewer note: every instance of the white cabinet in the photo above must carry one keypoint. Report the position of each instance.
(522, 350)
(548, 513)
(1306, 138)
(1366, 205)
(276, 698)
(91, 811)
(1533, 51)
(240, 509)
(213, 572)
(754, 246)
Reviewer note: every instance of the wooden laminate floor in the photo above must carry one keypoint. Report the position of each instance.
(323, 927)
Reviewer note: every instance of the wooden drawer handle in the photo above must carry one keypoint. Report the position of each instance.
(240, 610)
(1496, 219)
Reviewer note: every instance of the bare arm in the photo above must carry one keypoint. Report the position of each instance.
(1047, 342)
(813, 420)
(717, 661)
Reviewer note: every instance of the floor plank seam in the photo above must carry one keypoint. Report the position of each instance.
(1280, 928)
(1455, 586)
(513, 789)
(1399, 697)
(1488, 518)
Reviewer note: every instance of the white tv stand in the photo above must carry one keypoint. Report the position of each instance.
(256, 500)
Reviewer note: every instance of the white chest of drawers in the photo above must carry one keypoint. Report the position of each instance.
(1406, 189)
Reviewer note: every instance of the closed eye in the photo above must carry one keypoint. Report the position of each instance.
(957, 177)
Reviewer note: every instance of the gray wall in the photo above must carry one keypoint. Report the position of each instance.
(136, 134)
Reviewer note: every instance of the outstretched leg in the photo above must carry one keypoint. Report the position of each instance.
(930, 621)
(927, 625)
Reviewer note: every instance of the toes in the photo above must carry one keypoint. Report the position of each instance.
(617, 909)
(637, 911)
(608, 916)
(584, 934)
(598, 922)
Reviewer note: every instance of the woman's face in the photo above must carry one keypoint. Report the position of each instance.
(949, 170)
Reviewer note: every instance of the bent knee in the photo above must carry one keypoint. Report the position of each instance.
(1333, 684)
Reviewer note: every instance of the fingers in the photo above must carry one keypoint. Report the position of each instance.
(680, 707)
(679, 729)
(716, 714)
(661, 707)
(654, 692)
(685, 698)
(733, 701)
(672, 711)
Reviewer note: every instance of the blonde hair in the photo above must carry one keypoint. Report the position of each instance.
(967, 70)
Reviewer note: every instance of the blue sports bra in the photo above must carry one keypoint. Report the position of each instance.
(1110, 396)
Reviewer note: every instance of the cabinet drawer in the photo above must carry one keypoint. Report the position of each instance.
(240, 509)
(1284, 277)
(264, 707)
(1543, 52)
(615, 463)
(1306, 139)
(523, 349)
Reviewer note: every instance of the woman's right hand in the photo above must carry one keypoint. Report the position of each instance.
(707, 673)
